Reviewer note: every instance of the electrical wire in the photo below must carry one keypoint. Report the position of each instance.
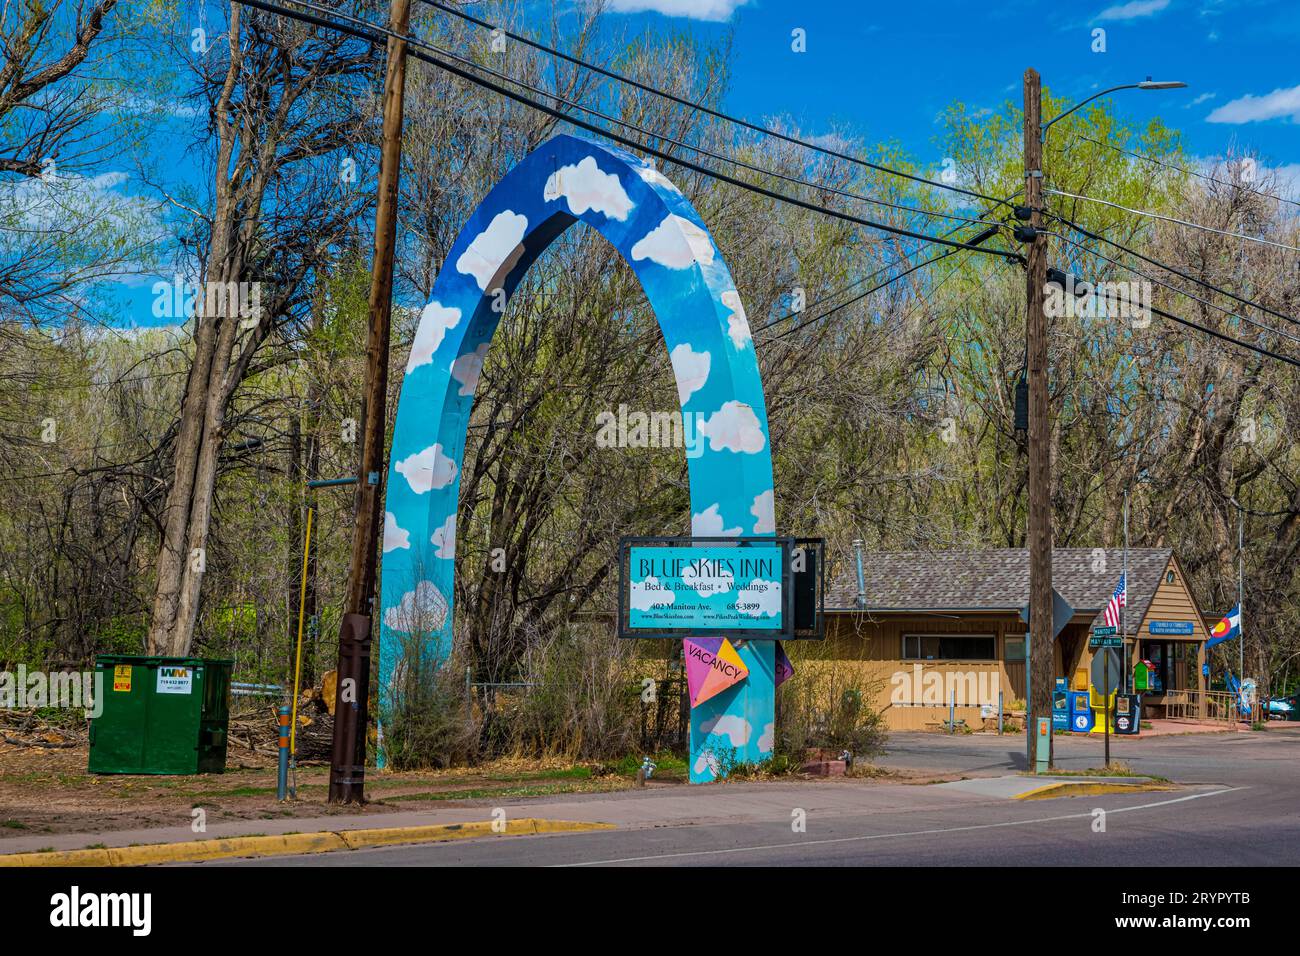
(1179, 319)
(1183, 169)
(718, 114)
(373, 34)
(1168, 268)
(1183, 292)
(1172, 219)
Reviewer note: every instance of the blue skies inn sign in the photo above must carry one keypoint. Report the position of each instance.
(661, 237)
(685, 587)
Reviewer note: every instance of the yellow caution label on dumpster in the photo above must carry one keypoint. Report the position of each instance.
(122, 677)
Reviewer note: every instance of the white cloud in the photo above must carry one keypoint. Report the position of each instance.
(767, 600)
(422, 611)
(706, 761)
(467, 369)
(694, 9)
(676, 243)
(733, 727)
(767, 738)
(764, 512)
(1280, 104)
(444, 538)
(734, 427)
(435, 321)
(427, 469)
(691, 369)
(709, 524)
(656, 178)
(737, 323)
(643, 595)
(707, 585)
(495, 250)
(586, 187)
(395, 536)
(1203, 98)
(1132, 11)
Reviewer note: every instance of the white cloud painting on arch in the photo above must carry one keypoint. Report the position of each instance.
(734, 427)
(585, 187)
(444, 538)
(764, 512)
(495, 250)
(709, 524)
(395, 536)
(691, 369)
(421, 611)
(428, 469)
(435, 321)
(676, 243)
(737, 323)
(467, 369)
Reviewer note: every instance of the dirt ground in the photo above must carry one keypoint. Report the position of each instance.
(49, 790)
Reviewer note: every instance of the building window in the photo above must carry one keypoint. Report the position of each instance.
(1015, 648)
(949, 647)
(1169, 577)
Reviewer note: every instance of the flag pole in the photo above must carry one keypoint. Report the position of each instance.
(1123, 609)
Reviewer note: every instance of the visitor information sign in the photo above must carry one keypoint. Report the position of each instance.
(677, 587)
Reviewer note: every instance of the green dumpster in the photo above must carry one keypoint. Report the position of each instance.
(161, 715)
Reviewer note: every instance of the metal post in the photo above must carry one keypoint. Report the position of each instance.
(999, 713)
(1126, 670)
(282, 778)
(1241, 598)
(1105, 699)
(952, 711)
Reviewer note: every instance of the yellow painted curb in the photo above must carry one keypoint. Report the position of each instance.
(292, 843)
(1066, 788)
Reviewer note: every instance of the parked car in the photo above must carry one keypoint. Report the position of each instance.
(1284, 708)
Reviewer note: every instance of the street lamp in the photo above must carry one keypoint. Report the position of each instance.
(1039, 463)
(1147, 84)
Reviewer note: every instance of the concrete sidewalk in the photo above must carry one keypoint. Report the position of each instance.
(635, 809)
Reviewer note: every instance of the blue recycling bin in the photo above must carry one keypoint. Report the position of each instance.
(1081, 716)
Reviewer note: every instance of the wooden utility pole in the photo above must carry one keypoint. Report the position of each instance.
(348, 759)
(1040, 466)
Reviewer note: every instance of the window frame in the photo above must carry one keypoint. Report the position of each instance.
(919, 635)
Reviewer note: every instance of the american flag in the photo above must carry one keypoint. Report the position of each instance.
(1117, 600)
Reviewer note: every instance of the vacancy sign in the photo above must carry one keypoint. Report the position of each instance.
(712, 665)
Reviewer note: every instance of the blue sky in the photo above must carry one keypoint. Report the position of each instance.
(886, 70)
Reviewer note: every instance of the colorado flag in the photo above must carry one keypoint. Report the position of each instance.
(1226, 629)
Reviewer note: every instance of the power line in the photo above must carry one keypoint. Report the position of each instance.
(1185, 170)
(1172, 219)
(705, 109)
(1177, 291)
(1187, 322)
(373, 34)
(1168, 268)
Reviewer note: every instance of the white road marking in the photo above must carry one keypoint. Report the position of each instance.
(909, 833)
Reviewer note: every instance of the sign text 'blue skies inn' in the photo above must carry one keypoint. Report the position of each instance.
(706, 588)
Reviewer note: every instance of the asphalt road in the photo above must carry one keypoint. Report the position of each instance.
(1238, 805)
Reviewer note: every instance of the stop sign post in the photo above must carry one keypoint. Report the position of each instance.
(1105, 677)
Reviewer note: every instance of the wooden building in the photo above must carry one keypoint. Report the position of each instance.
(930, 626)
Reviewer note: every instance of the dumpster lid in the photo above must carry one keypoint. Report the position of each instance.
(156, 659)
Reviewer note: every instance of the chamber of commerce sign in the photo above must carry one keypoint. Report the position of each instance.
(674, 587)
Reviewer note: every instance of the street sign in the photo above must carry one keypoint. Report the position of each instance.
(1105, 637)
(1106, 670)
(1062, 612)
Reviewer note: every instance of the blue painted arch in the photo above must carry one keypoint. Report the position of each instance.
(660, 235)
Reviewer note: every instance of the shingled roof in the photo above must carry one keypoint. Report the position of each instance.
(994, 580)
